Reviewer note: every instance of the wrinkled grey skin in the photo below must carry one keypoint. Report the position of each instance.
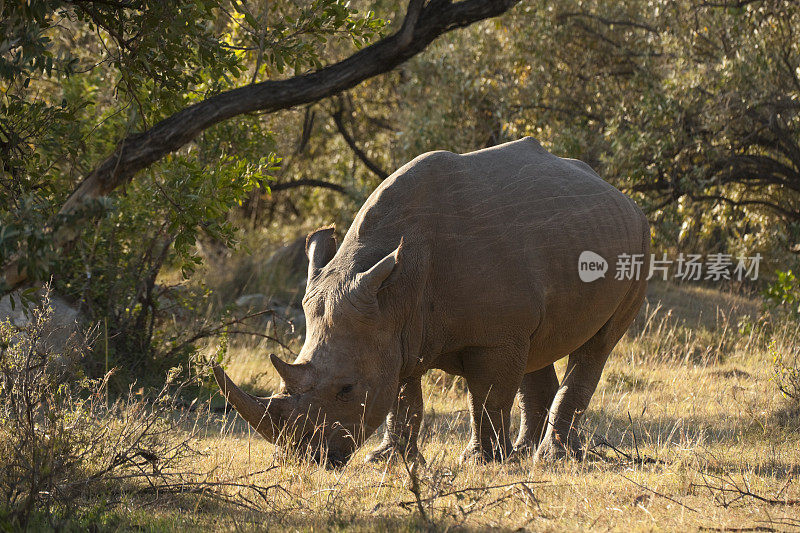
(466, 263)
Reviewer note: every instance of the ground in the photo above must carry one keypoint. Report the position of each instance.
(689, 432)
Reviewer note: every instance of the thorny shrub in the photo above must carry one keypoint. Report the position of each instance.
(787, 373)
(62, 439)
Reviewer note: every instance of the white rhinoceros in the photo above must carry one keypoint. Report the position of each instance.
(466, 263)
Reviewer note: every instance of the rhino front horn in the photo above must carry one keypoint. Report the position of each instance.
(261, 413)
(294, 376)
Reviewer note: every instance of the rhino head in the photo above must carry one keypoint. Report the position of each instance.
(343, 382)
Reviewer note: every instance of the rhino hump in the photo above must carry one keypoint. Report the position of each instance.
(493, 239)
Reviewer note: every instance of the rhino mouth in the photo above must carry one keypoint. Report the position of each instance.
(277, 419)
(321, 454)
(332, 460)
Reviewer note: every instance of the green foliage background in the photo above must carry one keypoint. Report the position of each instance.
(690, 108)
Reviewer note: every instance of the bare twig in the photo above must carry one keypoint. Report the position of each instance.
(475, 489)
(655, 492)
(351, 142)
(414, 487)
(727, 487)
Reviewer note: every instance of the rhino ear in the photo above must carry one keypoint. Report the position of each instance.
(320, 249)
(383, 274)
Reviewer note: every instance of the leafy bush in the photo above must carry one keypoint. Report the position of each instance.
(150, 325)
(75, 79)
(784, 292)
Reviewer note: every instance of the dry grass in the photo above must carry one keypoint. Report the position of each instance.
(689, 429)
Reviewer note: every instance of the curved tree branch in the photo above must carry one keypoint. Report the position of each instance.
(307, 183)
(423, 23)
(359, 153)
(421, 26)
(785, 213)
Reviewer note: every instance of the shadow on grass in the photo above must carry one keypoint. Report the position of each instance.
(200, 512)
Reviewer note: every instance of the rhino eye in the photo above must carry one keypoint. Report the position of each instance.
(344, 394)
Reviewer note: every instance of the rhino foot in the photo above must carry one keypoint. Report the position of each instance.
(525, 447)
(392, 451)
(522, 451)
(478, 454)
(552, 449)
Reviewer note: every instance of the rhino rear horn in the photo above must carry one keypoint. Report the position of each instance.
(295, 376)
(320, 249)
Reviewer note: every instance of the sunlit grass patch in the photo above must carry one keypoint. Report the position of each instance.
(685, 431)
(675, 442)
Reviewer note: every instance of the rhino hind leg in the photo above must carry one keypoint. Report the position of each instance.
(536, 394)
(402, 425)
(492, 388)
(584, 368)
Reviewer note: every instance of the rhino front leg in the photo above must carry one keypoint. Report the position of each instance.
(493, 378)
(402, 425)
(536, 394)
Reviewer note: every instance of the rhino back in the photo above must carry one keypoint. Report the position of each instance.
(494, 238)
